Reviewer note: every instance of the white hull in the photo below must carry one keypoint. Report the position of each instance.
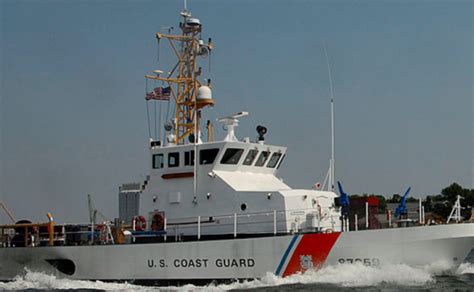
(246, 258)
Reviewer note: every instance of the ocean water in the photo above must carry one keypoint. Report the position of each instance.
(345, 277)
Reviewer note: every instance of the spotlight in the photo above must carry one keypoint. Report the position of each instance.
(261, 130)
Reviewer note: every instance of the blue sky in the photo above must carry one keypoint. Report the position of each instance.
(73, 119)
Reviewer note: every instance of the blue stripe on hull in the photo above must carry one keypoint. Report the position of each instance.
(285, 255)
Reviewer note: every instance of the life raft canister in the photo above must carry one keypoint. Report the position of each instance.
(139, 222)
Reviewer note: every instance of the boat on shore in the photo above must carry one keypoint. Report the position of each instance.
(216, 210)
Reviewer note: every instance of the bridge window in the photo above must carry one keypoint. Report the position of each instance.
(207, 156)
(250, 157)
(273, 160)
(173, 159)
(158, 161)
(281, 160)
(232, 156)
(189, 157)
(262, 158)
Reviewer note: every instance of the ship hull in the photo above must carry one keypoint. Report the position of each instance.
(249, 258)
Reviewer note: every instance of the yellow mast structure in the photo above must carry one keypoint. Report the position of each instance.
(183, 78)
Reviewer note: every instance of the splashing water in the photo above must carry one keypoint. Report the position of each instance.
(344, 275)
(465, 268)
(37, 280)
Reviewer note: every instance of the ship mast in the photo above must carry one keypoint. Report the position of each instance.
(189, 94)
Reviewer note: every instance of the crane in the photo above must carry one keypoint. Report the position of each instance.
(12, 218)
(93, 212)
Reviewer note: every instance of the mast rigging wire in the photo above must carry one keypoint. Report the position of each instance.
(159, 118)
(158, 52)
(156, 129)
(147, 110)
(168, 109)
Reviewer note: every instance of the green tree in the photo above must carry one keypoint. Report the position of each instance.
(443, 203)
(442, 209)
(428, 204)
(396, 198)
(382, 203)
(450, 193)
(412, 200)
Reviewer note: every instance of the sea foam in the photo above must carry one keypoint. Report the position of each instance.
(465, 268)
(38, 280)
(342, 275)
(345, 275)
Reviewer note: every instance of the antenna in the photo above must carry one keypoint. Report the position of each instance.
(91, 209)
(331, 172)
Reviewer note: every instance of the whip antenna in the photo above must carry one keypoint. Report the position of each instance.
(331, 173)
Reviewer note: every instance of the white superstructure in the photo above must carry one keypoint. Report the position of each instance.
(231, 177)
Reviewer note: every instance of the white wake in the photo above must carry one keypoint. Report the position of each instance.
(465, 268)
(37, 280)
(345, 275)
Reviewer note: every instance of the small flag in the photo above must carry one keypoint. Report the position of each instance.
(159, 93)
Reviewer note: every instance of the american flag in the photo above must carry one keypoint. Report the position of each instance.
(159, 93)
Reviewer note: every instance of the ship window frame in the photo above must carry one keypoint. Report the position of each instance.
(232, 156)
(189, 158)
(261, 162)
(155, 161)
(252, 159)
(208, 153)
(281, 160)
(273, 163)
(174, 155)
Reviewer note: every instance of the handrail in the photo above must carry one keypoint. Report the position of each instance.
(269, 212)
(27, 225)
(276, 222)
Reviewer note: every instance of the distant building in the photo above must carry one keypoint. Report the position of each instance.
(357, 210)
(377, 219)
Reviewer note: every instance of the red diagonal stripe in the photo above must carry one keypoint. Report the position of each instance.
(317, 246)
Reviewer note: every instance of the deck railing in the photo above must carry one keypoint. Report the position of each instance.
(271, 222)
(274, 222)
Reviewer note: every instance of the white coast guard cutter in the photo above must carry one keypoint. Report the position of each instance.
(215, 210)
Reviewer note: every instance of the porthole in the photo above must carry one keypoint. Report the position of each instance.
(243, 207)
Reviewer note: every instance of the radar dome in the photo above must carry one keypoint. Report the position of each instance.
(193, 22)
(204, 93)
